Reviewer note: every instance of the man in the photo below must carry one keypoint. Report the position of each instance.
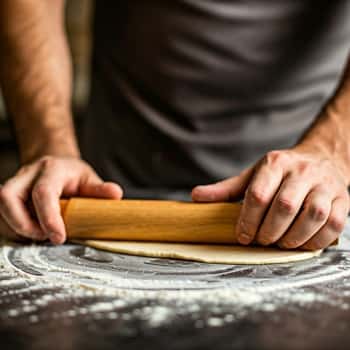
(240, 95)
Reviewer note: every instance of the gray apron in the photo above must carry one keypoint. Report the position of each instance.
(188, 92)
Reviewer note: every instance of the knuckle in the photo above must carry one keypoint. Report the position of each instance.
(335, 223)
(286, 205)
(258, 197)
(275, 156)
(47, 161)
(40, 190)
(304, 167)
(317, 212)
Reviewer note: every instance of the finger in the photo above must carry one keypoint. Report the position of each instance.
(13, 196)
(94, 186)
(45, 195)
(7, 232)
(257, 200)
(316, 209)
(332, 228)
(229, 189)
(284, 208)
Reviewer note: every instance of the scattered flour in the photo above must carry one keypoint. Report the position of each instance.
(158, 315)
(154, 308)
(215, 322)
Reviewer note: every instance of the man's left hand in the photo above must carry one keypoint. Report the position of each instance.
(296, 198)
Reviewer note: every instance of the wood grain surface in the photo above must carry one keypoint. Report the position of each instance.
(150, 220)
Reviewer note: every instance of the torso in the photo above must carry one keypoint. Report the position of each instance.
(191, 91)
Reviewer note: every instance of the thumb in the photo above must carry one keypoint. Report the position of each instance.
(95, 187)
(228, 189)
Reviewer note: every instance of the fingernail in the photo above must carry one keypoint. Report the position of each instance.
(243, 238)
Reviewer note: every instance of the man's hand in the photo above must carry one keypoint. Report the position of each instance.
(296, 198)
(35, 74)
(44, 182)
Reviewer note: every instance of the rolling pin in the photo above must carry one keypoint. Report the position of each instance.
(150, 220)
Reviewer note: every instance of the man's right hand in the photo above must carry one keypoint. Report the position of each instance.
(43, 182)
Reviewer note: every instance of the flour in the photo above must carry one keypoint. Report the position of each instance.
(100, 296)
(158, 315)
(101, 307)
(215, 322)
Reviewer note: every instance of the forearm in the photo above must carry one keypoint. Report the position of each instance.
(331, 131)
(35, 75)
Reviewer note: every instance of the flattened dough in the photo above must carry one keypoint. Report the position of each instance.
(219, 254)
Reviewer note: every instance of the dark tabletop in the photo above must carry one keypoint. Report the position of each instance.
(305, 305)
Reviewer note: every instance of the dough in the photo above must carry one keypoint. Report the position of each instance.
(220, 254)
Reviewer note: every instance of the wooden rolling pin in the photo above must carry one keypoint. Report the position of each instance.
(150, 220)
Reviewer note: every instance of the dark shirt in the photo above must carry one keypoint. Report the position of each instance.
(188, 92)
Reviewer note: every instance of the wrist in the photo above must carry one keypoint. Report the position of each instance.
(46, 134)
(329, 139)
(48, 150)
(49, 145)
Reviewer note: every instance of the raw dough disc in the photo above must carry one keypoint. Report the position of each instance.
(220, 254)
